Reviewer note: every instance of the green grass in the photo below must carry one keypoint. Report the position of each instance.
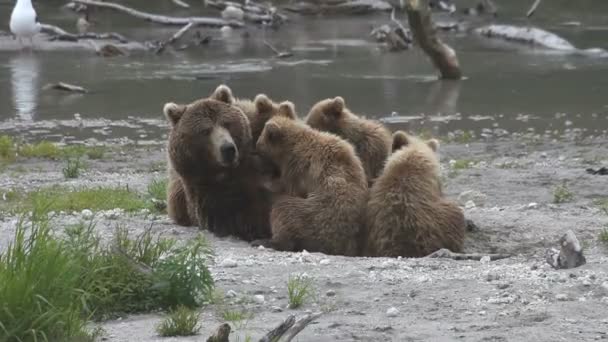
(299, 289)
(461, 164)
(53, 285)
(180, 322)
(73, 168)
(562, 194)
(235, 315)
(9, 149)
(603, 237)
(157, 189)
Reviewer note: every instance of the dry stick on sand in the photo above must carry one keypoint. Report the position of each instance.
(289, 328)
(446, 253)
(66, 87)
(425, 34)
(176, 36)
(161, 19)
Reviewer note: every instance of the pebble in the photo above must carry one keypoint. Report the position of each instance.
(86, 214)
(469, 205)
(562, 297)
(330, 293)
(259, 299)
(392, 312)
(276, 309)
(228, 263)
(260, 247)
(230, 294)
(324, 262)
(485, 259)
(605, 285)
(532, 205)
(383, 328)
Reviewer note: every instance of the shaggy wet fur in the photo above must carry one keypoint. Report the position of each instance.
(322, 209)
(407, 214)
(372, 141)
(226, 196)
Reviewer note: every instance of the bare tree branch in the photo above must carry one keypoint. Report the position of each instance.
(176, 36)
(533, 8)
(181, 3)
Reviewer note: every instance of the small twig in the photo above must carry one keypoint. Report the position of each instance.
(533, 8)
(66, 87)
(446, 253)
(278, 54)
(60, 34)
(180, 3)
(175, 37)
(300, 325)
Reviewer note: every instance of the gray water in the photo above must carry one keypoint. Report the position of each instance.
(505, 87)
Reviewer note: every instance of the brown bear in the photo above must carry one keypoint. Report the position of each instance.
(371, 139)
(406, 213)
(325, 190)
(209, 151)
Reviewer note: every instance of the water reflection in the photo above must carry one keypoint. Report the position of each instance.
(443, 97)
(25, 70)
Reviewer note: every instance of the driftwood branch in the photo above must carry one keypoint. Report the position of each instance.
(66, 87)
(175, 37)
(60, 34)
(253, 11)
(180, 3)
(533, 8)
(443, 57)
(300, 325)
(161, 19)
(289, 328)
(278, 54)
(446, 253)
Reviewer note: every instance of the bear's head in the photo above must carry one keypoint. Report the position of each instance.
(278, 133)
(206, 135)
(402, 139)
(326, 114)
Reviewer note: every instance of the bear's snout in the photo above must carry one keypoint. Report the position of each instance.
(229, 153)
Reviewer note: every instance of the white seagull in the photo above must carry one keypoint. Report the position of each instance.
(24, 21)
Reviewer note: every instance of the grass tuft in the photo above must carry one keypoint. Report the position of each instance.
(180, 322)
(235, 315)
(603, 237)
(72, 168)
(7, 148)
(157, 189)
(299, 288)
(562, 194)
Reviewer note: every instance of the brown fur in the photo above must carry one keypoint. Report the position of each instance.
(371, 140)
(211, 163)
(407, 214)
(325, 169)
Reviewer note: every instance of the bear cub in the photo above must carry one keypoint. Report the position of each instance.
(372, 141)
(406, 212)
(325, 190)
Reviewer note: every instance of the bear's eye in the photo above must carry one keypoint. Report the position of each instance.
(206, 131)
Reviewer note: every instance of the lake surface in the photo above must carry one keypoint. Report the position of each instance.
(505, 87)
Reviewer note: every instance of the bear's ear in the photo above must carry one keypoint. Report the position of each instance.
(287, 110)
(338, 105)
(274, 134)
(400, 139)
(223, 94)
(173, 112)
(262, 103)
(433, 144)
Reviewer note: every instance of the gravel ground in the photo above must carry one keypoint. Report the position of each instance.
(507, 190)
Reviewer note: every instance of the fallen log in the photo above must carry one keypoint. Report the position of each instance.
(277, 53)
(57, 33)
(162, 45)
(425, 34)
(446, 253)
(339, 7)
(161, 19)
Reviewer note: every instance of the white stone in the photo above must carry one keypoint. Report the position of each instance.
(231, 294)
(561, 297)
(392, 312)
(259, 299)
(86, 214)
(532, 205)
(485, 259)
(469, 205)
(233, 13)
(324, 262)
(228, 263)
